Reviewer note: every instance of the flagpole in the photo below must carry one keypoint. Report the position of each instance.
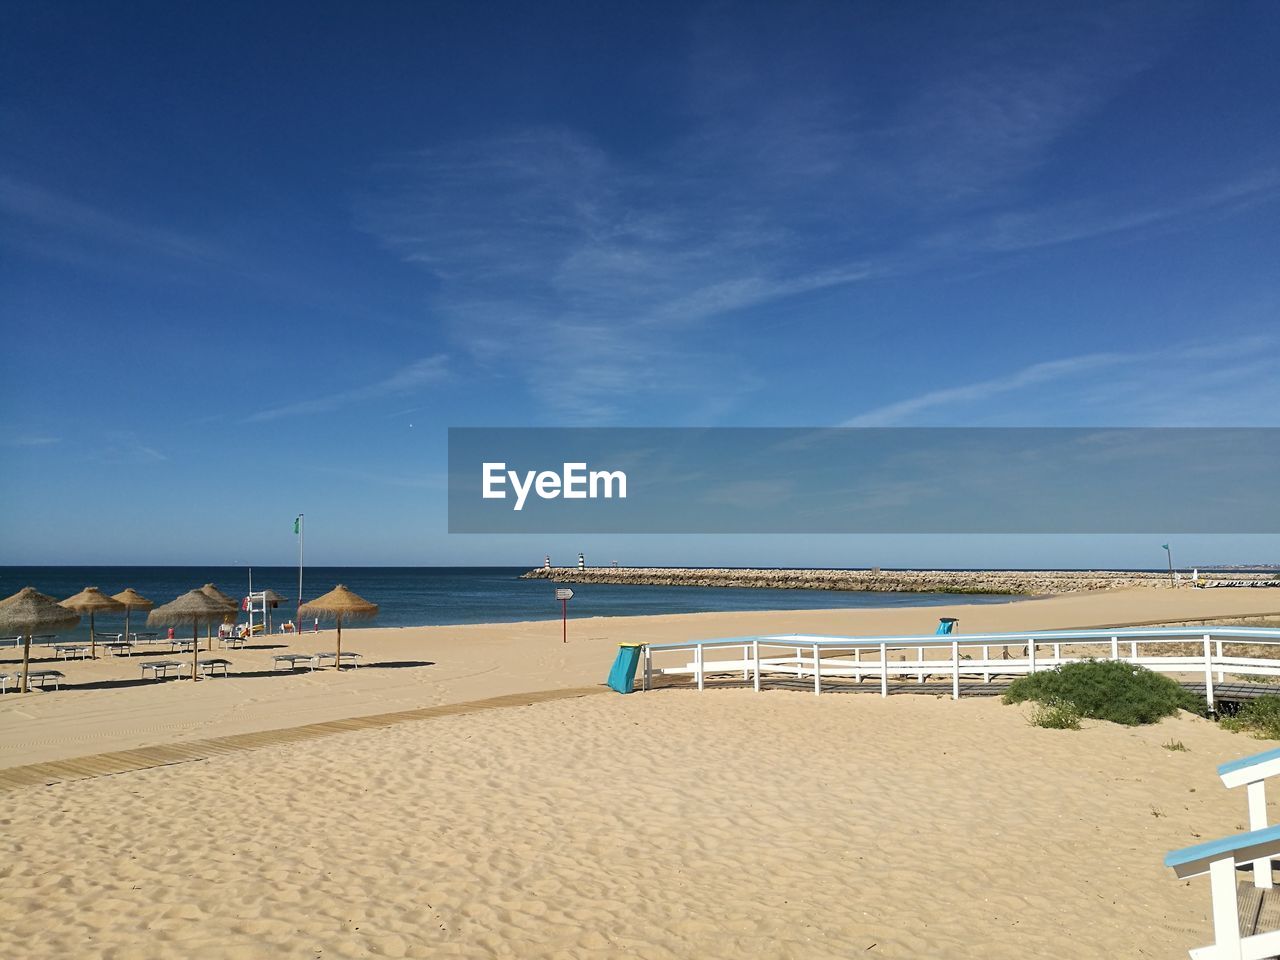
(1170, 555)
(301, 534)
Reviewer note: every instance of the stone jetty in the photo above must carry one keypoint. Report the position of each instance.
(1021, 582)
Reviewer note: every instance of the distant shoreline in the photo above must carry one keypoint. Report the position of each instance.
(1000, 582)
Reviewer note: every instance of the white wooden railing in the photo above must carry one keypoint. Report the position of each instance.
(970, 655)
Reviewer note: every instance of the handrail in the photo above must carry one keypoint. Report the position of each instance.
(970, 639)
(846, 658)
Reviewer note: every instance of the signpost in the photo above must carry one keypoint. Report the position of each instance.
(564, 595)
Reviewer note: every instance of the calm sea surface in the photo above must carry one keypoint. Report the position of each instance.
(416, 596)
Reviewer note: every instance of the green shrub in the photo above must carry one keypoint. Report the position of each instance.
(1056, 714)
(1176, 745)
(1107, 690)
(1260, 716)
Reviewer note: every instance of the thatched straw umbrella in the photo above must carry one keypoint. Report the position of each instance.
(340, 604)
(132, 600)
(27, 612)
(91, 600)
(192, 607)
(230, 604)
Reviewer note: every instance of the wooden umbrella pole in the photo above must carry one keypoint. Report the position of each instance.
(93, 638)
(195, 647)
(26, 658)
(337, 661)
(127, 611)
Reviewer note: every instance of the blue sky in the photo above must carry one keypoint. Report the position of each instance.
(255, 259)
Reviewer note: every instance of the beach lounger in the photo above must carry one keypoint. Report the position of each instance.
(118, 648)
(180, 644)
(66, 651)
(1220, 859)
(161, 668)
(212, 667)
(347, 657)
(293, 659)
(42, 677)
(145, 637)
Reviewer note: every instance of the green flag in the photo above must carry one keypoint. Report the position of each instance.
(295, 523)
(1163, 546)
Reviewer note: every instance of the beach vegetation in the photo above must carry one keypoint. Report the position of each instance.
(1055, 714)
(1177, 746)
(1107, 690)
(1260, 717)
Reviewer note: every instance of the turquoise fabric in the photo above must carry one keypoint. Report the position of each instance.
(946, 625)
(623, 675)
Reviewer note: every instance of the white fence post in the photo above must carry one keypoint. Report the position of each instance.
(1226, 910)
(755, 652)
(1031, 651)
(1218, 651)
(817, 671)
(1133, 649)
(745, 668)
(920, 657)
(955, 669)
(1208, 674)
(986, 659)
(1057, 653)
(1257, 820)
(648, 668)
(884, 670)
(1115, 648)
(697, 661)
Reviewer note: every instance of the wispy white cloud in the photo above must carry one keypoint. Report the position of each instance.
(403, 382)
(57, 225)
(31, 441)
(1185, 384)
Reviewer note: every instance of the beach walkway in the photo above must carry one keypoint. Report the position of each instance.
(125, 761)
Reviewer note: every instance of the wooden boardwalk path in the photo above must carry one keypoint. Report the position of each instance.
(124, 761)
(1259, 909)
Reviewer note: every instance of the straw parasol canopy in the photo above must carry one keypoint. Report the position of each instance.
(194, 607)
(91, 600)
(29, 611)
(339, 604)
(231, 604)
(132, 600)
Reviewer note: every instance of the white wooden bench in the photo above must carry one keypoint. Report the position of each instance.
(1220, 859)
(1252, 773)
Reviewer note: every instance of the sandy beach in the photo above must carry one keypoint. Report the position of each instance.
(670, 824)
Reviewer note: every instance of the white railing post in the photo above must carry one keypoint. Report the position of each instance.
(745, 668)
(755, 653)
(1218, 651)
(697, 663)
(884, 670)
(1057, 653)
(1115, 648)
(1226, 910)
(1133, 649)
(1208, 674)
(648, 668)
(1257, 820)
(857, 662)
(955, 669)
(817, 671)
(1031, 652)
(920, 657)
(986, 659)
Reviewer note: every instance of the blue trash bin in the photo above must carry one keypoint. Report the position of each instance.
(623, 675)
